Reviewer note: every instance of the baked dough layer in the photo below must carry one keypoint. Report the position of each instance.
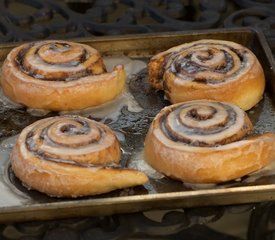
(71, 156)
(204, 141)
(59, 76)
(209, 69)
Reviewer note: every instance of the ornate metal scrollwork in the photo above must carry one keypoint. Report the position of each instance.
(160, 224)
(259, 17)
(49, 18)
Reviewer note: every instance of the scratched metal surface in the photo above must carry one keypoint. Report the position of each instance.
(159, 193)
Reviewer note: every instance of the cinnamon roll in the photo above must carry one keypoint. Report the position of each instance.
(71, 156)
(59, 75)
(204, 141)
(209, 69)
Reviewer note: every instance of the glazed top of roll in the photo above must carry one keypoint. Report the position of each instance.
(208, 61)
(57, 60)
(202, 123)
(72, 140)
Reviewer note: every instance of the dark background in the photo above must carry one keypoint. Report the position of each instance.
(22, 20)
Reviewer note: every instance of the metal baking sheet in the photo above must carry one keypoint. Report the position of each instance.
(17, 203)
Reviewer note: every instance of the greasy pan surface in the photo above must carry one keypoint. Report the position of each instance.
(17, 202)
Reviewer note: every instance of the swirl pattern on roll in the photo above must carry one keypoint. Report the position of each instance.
(71, 156)
(206, 141)
(59, 61)
(73, 140)
(59, 76)
(207, 63)
(204, 123)
(208, 69)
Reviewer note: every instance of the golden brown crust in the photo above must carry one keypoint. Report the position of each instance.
(209, 69)
(206, 162)
(59, 75)
(70, 157)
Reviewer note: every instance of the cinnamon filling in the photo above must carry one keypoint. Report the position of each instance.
(38, 137)
(204, 126)
(58, 62)
(206, 63)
